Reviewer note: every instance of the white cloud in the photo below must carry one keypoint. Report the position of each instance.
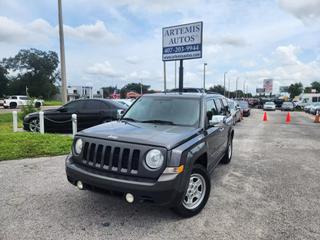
(91, 32)
(40, 31)
(11, 31)
(132, 59)
(229, 40)
(102, 69)
(306, 10)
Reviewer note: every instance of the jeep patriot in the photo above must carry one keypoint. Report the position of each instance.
(162, 150)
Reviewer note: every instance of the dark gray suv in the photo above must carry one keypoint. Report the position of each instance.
(162, 150)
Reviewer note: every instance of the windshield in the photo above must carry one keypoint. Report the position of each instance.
(160, 110)
(269, 103)
(288, 104)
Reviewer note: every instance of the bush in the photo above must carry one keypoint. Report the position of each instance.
(29, 108)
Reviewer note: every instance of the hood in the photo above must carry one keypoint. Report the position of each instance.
(143, 133)
(37, 113)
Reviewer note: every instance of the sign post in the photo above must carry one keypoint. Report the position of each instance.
(182, 42)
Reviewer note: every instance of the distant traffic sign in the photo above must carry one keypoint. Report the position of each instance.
(182, 42)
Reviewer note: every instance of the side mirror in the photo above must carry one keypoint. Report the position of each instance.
(120, 113)
(217, 120)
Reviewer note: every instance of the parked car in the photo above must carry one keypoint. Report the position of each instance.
(244, 108)
(287, 106)
(90, 112)
(269, 106)
(162, 151)
(125, 102)
(314, 108)
(1, 102)
(235, 111)
(307, 108)
(17, 101)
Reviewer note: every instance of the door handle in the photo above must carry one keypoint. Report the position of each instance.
(221, 129)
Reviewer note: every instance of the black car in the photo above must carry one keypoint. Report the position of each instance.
(161, 151)
(245, 109)
(90, 112)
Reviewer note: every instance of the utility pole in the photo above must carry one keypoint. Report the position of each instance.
(204, 75)
(141, 87)
(237, 87)
(62, 56)
(181, 76)
(244, 88)
(175, 74)
(224, 83)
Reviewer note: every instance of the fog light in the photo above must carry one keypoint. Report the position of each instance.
(80, 185)
(129, 198)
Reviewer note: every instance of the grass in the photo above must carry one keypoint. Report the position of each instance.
(52, 103)
(27, 145)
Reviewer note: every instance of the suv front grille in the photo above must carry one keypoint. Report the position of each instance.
(111, 158)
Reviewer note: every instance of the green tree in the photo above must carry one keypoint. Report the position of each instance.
(316, 85)
(34, 70)
(107, 91)
(3, 81)
(295, 89)
(134, 87)
(217, 89)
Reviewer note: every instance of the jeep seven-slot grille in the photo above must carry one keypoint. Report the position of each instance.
(111, 158)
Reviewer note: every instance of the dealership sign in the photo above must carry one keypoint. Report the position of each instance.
(182, 42)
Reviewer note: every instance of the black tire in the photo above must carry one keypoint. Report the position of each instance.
(37, 105)
(13, 105)
(185, 211)
(228, 154)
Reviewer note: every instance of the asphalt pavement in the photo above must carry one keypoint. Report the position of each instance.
(270, 190)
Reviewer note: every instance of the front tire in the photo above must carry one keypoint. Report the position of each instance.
(197, 194)
(34, 125)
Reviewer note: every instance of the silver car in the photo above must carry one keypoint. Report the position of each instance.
(287, 106)
(235, 111)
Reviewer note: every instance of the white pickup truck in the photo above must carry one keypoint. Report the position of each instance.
(17, 101)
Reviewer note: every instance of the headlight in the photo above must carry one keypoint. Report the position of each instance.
(154, 159)
(78, 146)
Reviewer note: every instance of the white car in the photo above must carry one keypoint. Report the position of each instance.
(17, 101)
(269, 106)
(125, 102)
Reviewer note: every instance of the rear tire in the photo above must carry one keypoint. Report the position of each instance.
(197, 194)
(13, 105)
(228, 155)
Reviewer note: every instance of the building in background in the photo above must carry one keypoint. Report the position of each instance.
(76, 92)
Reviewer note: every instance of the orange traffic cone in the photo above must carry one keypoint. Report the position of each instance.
(265, 118)
(288, 118)
(317, 118)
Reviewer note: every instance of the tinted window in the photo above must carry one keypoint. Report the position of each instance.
(74, 106)
(24, 98)
(95, 105)
(314, 99)
(14, 97)
(211, 108)
(218, 106)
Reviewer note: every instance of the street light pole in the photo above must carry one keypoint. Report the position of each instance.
(164, 77)
(237, 87)
(62, 56)
(224, 83)
(204, 75)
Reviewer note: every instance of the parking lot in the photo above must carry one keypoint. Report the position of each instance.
(269, 191)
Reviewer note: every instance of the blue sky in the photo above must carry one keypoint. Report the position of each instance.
(117, 42)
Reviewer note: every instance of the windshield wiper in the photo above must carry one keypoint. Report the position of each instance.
(130, 119)
(159, 121)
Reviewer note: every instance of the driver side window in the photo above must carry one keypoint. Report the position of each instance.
(211, 109)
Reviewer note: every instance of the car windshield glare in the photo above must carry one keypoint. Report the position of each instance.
(165, 110)
(269, 103)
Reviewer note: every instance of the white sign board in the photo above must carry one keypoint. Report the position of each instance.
(182, 42)
(268, 85)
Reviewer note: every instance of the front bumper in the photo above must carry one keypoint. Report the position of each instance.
(167, 190)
